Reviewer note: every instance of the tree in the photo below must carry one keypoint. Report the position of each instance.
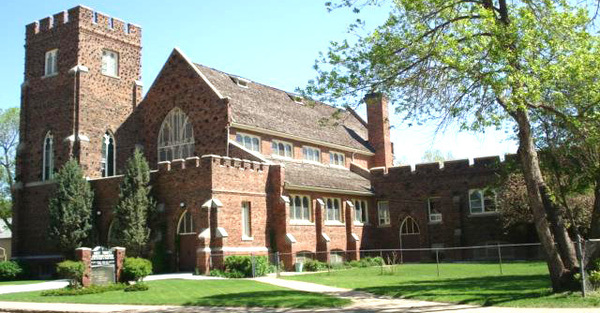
(71, 208)
(9, 139)
(436, 156)
(478, 63)
(135, 206)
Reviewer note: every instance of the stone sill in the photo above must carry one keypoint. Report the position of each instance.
(244, 238)
(111, 76)
(385, 226)
(334, 223)
(302, 223)
(50, 75)
(486, 214)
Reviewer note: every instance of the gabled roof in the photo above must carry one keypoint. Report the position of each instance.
(300, 174)
(267, 108)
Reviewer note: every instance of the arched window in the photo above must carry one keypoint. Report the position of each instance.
(186, 224)
(48, 157)
(176, 137)
(409, 226)
(107, 162)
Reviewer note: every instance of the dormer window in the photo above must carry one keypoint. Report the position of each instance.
(251, 142)
(282, 149)
(311, 154)
(242, 82)
(110, 63)
(337, 159)
(51, 64)
(298, 99)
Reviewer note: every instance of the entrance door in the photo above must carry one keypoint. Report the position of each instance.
(187, 242)
(410, 239)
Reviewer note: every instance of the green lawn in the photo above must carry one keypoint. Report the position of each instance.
(21, 282)
(197, 293)
(522, 285)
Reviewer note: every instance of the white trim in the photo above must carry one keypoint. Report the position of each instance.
(221, 232)
(290, 238)
(325, 237)
(253, 153)
(205, 233)
(197, 70)
(355, 237)
(299, 138)
(289, 186)
(79, 69)
(241, 249)
(212, 203)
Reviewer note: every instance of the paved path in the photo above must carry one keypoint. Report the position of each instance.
(55, 284)
(362, 302)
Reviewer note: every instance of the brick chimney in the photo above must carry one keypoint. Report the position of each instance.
(379, 129)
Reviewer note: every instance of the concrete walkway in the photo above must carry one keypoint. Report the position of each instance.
(55, 284)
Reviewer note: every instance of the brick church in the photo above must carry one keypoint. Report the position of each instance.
(237, 166)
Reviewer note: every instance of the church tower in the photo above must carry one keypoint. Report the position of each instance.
(82, 82)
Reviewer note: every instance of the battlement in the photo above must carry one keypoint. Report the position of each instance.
(215, 160)
(84, 16)
(441, 168)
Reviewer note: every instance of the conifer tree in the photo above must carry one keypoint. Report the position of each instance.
(135, 206)
(71, 208)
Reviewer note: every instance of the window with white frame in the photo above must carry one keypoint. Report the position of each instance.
(246, 220)
(337, 158)
(176, 137)
(361, 213)
(107, 161)
(282, 148)
(251, 142)
(48, 157)
(482, 201)
(186, 223)
(51, 63)
(333, 210)
(110, 63)
(383, 213)
(311, 154)
(300, 208)
(434, 210)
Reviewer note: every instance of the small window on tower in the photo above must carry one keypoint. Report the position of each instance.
(110, 63)
(51, 67)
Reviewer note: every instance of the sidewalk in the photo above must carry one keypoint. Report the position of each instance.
(55, 284)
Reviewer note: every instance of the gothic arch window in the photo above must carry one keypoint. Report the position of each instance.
(409, 226)
(48, 157)
(107, 162)
(186, 224)
(176, 137)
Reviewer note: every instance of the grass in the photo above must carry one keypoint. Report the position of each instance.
(241, 293)
(21, 282)
(521, 285)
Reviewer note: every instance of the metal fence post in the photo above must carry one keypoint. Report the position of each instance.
(581, 268)
(437, 261)
(253, 265)
(277, 264)
(500, 258)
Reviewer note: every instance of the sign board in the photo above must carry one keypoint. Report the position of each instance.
(103, 266)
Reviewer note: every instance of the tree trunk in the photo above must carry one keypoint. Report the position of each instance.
(595, 226)
(535, 183)
(566, 248)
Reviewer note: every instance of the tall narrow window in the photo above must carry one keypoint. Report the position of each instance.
(176, 137)
(107, 162)
(337, 158)
(334, 212)
(48, 158)
(186, 224)
(246, 221)
(383, 212)
(110, 63)
(51, 67)
(360, 211)
(409, 226)
(433, 208)
(300, 209)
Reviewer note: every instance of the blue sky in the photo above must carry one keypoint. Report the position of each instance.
(273, 42)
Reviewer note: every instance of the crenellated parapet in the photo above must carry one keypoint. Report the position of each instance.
(453, 167)
(207, 161)
(86, 18)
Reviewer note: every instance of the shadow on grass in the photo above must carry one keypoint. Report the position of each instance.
(486, 291)
(273, 299)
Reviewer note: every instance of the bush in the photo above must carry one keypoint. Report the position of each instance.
(9, 270)
(71, 270)
(376, 261)
(71, 291)
(314, 265)
(136, 269)
(594, 277)
(238, 266)
(136, 287)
